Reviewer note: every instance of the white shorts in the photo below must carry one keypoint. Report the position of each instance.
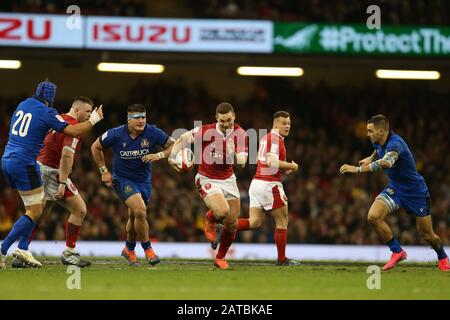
(228, 187)
(268, 195)
(50, 183)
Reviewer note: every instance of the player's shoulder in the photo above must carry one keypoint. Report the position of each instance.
(396, 139)
(69, 119)
(204, 128)
(237, 127)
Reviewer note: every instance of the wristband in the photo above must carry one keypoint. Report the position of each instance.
(103, 170)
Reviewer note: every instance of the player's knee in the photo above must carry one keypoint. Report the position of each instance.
(255, 223)
(140, 214)
(373, 217)
(222, 212)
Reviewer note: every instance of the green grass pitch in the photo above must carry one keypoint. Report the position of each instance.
(177, 279)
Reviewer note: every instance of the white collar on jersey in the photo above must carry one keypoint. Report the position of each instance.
(277, 133)
(223, 135)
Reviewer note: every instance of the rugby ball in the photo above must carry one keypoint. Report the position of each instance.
(185, 159)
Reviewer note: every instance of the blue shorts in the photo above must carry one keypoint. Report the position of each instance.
(418, 204)
(21, 176)
(126, 188)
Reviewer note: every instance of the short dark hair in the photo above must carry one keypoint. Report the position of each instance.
(84, 100)
(224, 107)
(379, 120)
(281, 114)
(136, 108)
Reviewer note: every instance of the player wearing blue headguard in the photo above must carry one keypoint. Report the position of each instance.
(31, 121)
(406, 188)
(134, 146)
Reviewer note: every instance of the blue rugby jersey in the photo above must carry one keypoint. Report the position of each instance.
(128, 152)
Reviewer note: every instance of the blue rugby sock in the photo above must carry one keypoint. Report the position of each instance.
(441, 253)
(394, 245)
(146, 245)
(23, 226)
(130, 245)
(24, 240)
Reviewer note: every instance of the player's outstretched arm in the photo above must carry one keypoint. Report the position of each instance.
(81, 128)
(162, 154)
(373, 157)
(385, 163)
(99, 158)
(185, 139)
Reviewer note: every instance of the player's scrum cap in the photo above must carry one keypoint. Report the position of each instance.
(47, 91)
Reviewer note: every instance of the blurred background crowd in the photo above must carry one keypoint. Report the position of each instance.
(424, 12)
(328, 129)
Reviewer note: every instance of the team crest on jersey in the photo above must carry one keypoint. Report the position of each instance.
(208, 186)
(127, 189)
(144, 143)
(390, 191)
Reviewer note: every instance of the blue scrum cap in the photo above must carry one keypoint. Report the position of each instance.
(47, 91)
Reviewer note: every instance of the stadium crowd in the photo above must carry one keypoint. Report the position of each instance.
(328, 129)
(418, 12)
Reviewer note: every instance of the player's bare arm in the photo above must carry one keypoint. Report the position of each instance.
(385, 163)
(167, 149)
(274, 162)
(99, 158)
(185, 139)
(240, 159)
(81, 128)
(65, 168)
(373, 157)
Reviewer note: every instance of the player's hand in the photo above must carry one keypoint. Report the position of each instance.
(173, 164)
(365, 161)
(96, 115)
(294, 166)
(107, 179)
(61, 192)
(346, 168)
(150, 158)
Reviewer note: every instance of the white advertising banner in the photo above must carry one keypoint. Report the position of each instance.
(146, 34)
(40, 30)
(179, 35)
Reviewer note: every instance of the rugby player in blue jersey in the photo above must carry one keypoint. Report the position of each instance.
(406, 189)
(134, 146)
(30, 123)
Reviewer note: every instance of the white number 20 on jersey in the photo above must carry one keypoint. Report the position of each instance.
(24, 121)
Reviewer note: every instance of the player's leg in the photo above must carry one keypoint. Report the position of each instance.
(381, 207)
(256, 194)
(25, 241)
(228, 233)
(138, 207)
(77, 208)
(129, 252)
(33, 201)
(280, 216)
(218, 210)
(425, 228)
(255, 219)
